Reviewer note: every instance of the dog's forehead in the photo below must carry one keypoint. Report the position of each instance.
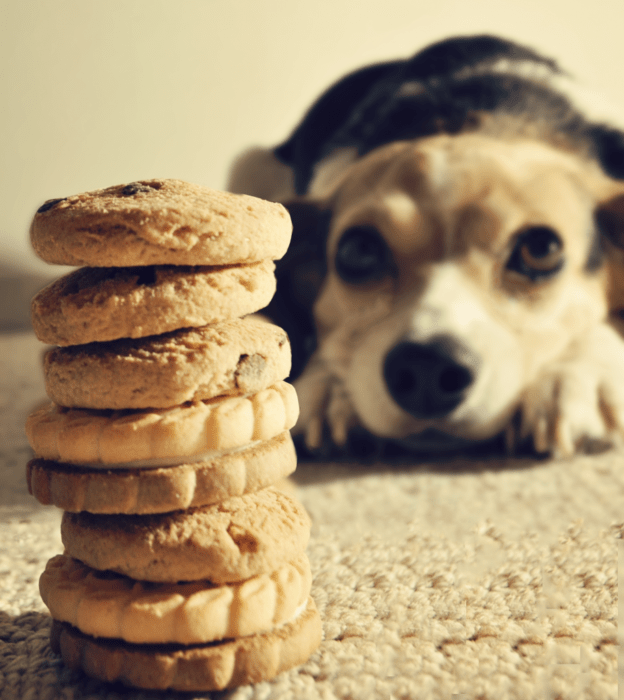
(516, 181)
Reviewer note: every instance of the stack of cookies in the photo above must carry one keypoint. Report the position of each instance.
(184, 565)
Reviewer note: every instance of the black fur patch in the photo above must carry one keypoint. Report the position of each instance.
(307, 144)
(609, 149)
(455, 106)
(442, 89)
(300, 274)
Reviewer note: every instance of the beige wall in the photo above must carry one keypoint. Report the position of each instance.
(96, 93)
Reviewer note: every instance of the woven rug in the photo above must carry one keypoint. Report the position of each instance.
(469, 579)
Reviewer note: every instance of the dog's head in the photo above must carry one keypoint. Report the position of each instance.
(446, 248)
(457, 267)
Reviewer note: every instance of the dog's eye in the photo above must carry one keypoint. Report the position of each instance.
(538, 253)
(362, 255)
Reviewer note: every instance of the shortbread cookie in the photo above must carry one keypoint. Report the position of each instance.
(230, 663)
(159, 222)
(110, 605)
(226, 542)
(166, 489)
(101, 304)
(236, 357)
(162, 437)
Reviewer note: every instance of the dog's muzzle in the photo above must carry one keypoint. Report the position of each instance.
(429, 380)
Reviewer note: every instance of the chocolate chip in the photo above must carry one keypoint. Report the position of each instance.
(135, 188)
(243, 539)
(250, 372)
(49, 204)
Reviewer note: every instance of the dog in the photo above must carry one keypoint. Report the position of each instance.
(455, 275)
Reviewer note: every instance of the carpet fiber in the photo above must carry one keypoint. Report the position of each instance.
(470, 579)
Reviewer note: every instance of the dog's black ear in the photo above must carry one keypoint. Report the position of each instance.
(300, 274)
(327, 115)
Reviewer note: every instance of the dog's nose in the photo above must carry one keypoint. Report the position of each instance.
(428, 380)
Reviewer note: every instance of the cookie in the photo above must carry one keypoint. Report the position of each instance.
(227, 664)
(159, 222)
(166, 489)
(113, 606)
(162, 437)
(102, 304)
(236, 357)
(227, 542)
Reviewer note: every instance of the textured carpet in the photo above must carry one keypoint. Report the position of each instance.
(472, 580)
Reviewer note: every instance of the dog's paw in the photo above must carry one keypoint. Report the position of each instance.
(326, 408)
(340, 416)
(577, 404)
(313, 388)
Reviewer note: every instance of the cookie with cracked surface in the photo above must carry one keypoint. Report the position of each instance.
(164, 489)
(160, 437)
(203, 667)
(226, 542)
(101, 304)
(159, 222)
(108, 605)
(242, 356)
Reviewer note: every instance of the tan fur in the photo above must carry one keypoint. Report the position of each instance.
(449, 208)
